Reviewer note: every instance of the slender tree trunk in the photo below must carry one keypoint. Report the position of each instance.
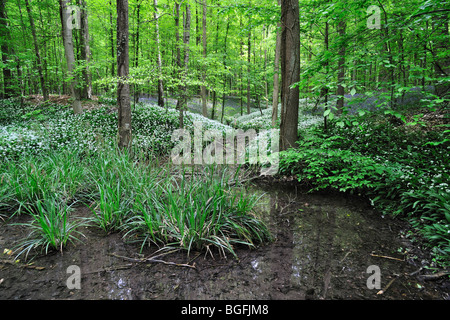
(177, 32)
(197, 33)
(136, 50)
(341, 66)
(111, 40)
(266, 87)
(45, 58)
(214, 98)
(123, 88)
(70, 57)
(424, 65)
(158, 52)
(186, 40)
(387, 47)
(178, 61)
(441, 64)
(225, 67)
(203, 87)
(276, 80)
(138, 31)
(249, 46)
(290, 73)
(22, 79)
(36, 50)
(85, 51)
(6, 51)
(327, 64)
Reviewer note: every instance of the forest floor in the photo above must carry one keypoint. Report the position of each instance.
(324, 244)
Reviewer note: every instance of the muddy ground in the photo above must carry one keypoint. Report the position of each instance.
(324, 245)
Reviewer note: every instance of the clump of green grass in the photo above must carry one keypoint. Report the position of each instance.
(196, 212)
(149, 203)
(111, 208)
(26, 182)
(51, 228)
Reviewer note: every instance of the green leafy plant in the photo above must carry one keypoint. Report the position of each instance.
(196, 212)
(51, 227)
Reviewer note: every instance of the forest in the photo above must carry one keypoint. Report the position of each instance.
(180, 133)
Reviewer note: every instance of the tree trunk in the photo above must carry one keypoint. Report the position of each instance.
(111, 40)
(266, 87)
(177, 32)
(86, 92)
(36, 50)
(178, 61)
(197, 33)
(341, 64)
(225, 67)
(158, 52)
(203, 87)
(214, 98)
(276, 80)
(6, 51)
(70, 57)
(123, 88)
(136, 50)
(138, 29)
(186, 40)
(290, 73)
(249, 46)
(441, 64)
(327, 64)
(387, 47)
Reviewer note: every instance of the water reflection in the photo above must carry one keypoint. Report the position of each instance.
(119, 289)
(322, 241)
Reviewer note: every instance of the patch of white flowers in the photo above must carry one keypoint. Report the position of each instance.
(262, 119)
(152, 129)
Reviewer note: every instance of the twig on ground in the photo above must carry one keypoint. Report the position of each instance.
(20, 265)
(386, 257)
(434, 276)
(153, 260)
(109, 269)
(387, 287)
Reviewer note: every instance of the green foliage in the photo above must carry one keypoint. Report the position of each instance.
(319, 164)
(50, 227)
(195, 212)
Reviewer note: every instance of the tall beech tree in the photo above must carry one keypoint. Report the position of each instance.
(205, 49)
(158, 57)
(186, 42)
(123, 66)
(276, 74)
(85, 50)
(67, 26)
(290, 73)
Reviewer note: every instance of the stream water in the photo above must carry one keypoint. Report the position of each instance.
(326, 246)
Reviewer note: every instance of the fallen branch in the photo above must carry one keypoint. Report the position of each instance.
(434, 276)
(109, 269)
(153, 260)
(20, 265)
(386, 257)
